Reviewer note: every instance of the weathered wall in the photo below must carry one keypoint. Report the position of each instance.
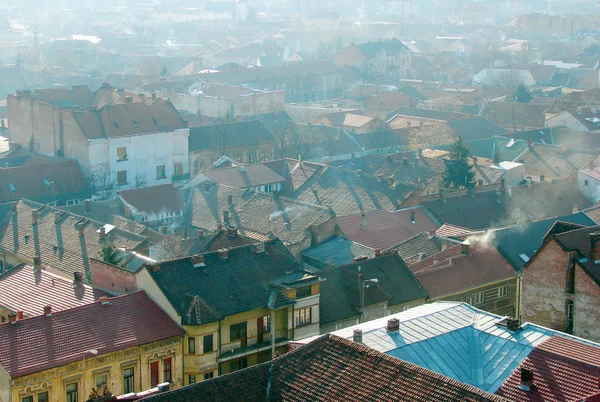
(586, 300)
(111, 278)
(544, 283)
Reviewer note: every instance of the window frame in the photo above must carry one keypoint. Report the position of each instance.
(73, 395)
(152, 365)
(177, 167)
(162, 171)
(42, 393)
(167, 369)
(243, 334)
(570, 285)
(503, 291)
(190, 377)
(303, 317)
(126, 379)
(28, 398)
(119, 182)
(303, 294)
(570, 311)
(266, 324)
(205, 341)
(478, 298)
(191, 345)
(209, 375)
(123, 157)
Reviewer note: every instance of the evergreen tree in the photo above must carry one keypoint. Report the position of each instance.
(458, 172)
(163, 72)
(522, 94)
(110, 254)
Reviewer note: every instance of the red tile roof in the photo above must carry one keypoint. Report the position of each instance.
(564, 370)
(331, 369)
(22, 289)
(385, 229)
(448, 230)
(41, 342)
(451, 272)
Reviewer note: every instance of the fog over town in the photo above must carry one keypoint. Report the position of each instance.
(299, 200)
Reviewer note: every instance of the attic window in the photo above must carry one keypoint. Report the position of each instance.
(135, 123)
(12, 187)
(46, 183)
(115, 124)
(524, 257)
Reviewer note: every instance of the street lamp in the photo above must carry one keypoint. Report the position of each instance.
(362, 295)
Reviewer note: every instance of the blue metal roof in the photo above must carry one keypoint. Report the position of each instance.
(456, 340)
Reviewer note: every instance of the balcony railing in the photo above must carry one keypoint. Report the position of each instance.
(238, 350)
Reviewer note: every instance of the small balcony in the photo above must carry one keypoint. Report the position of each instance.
(180, 177)
(241, 348)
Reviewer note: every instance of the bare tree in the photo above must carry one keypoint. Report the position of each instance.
(508, 78)
(223, 137)
(140, 180)
(504, 114)
(102, 180)
(383, 137)
(446, 103)
(430, 136)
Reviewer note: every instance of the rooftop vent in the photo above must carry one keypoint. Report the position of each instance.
(198, 261)
(48, 311)
(258, 247)
(103, 301)
(526, 379)
(357, 336)
(393, 325)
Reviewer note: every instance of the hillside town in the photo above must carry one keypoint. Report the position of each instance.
(285, 200)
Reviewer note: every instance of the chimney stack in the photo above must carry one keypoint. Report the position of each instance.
(13, 207)
(575, 208)
(127, 211)
(529, 144)
(12, 318)
(474, 161)
(357, 336)
(198, 261)
(164, 229)
(393, 325)
(56, 217)
(595, 243)
(502, 183)
(224, 254)
(48, 310)
(37, 263)
(526, 379)
(230, 200)
(226, 217)
(512, 324)
(258, 247)
(358, 172)
(81, 230)
(377, 252)
(352, 157)
(363, 221)
(77, 279)
(464, 248)
(102, 232)
(103, 301)
(405, 161)
(391, 181)
(231, 232)
(34, 216)
(219, 227)
(412, 216)
(542, 178)
(201, 233)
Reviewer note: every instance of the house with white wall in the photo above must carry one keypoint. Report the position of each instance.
(120, 139)
(588, 180)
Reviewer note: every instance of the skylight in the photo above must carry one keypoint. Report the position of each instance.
(46, 183)
(12, 187)
(524, 257)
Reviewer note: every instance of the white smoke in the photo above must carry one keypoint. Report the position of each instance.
(287, 210)
(195, 89)
(482, 241)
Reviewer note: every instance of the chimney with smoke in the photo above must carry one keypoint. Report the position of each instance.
(595, 245)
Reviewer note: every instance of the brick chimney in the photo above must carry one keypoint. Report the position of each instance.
(377, 252)
(393, 325)
(34, 216)
(198, 261)
(56, 217)
(358, 172)
(225, 217)
(48, 310)
(87, 205)
(12, 318)
(526, 379)
(224, 254)
(103, 301)
(37, 263)
(512, 324)
(164, 229)
(464, 248)
(357, 336)
(230, 200)
(102, 232)
(595, 245)
(127, 211)
(231, 232)
(77, 279)
(201, 233)
(575, 208)
(207, 185)
(412, 216)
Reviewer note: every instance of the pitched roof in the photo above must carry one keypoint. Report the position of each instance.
(339, 370)
(43, 182)
(564, 370)
(476, 127)
(335, 252)
(481, 210)
(450, 272)
(350, 193)
(518, 244)
(254, 214)
(448, 230)
(340, 293)
(66, 336)
(60, 243)
(421, 246)
(245, 176)
(26, 290)
(457, 340)
(387, 101)
(385, 229)
(554, 161)
(225, 286)
(220, 134)
(154, 199)
(549, 198)
(391, 46)
(506, 148)
(512, 114)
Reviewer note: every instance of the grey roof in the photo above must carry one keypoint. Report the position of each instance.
(350, 193)
(391, 46)
(254, 214)
(422, 246)
(335, 252)
(244, 176)
(219, 135)
(476, 128)
(340, 292)
(225, 286)
(518, 244)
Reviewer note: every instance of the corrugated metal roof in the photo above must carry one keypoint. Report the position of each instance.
(456, 340)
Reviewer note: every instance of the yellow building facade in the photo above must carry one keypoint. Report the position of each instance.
(122, 372)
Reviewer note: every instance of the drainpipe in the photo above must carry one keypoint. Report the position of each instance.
(219, 347)
(183, 360)
(273, 334)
